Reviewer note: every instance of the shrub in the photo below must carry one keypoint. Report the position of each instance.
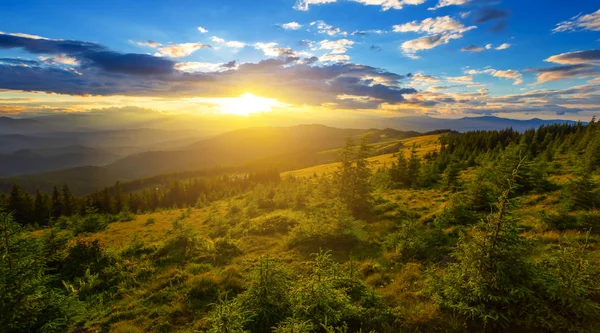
(126, 216)
(84, 253)
(225, 250)
(333, 227)
(204, 289)
(150, 221)
(91, 222)
(272, 224)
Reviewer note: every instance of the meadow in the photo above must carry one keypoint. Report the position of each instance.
(476, 232)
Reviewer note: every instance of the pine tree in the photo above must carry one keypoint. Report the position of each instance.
(69, 200)
(399, 171)
(57, 203)
(414, 166)
(40, 208)
(490, 283)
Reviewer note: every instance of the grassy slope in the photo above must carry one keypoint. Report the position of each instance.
(398, 285)
(427, 143)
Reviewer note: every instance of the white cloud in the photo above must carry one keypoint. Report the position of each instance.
(419, 78)
(149, 43)
(466, 79)
(60, 59)
(510, 74)
(580, 22)
(271, 50)
(181, 50)
(324, 28)
(446, 3)
(390, 4)
(503, 46)
(233, 44)
(193, 66)
(439, 30)
(442, 24)
(202, 30)
(336, 46)
(334, 58)
(472, 48)
(291, 26)
(20, 34)
(304, 4)
(488, 46)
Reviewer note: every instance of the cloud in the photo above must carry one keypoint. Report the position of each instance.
(19, 62)
(390, 4)
(181, 50)
(324, 28)
(60, 59)
(271, 50)
(336, 46)
(439, 30)
(149, 43)
(424, 79)
(375, 48)
(577, 57)
(411, 47)
(202, 30)
(334, 58)
(291, 26)
(442, 24)
(233, 44)
(488, 14)
(472, 48)
(446, 3)
(193, 66)
(90, 55)
(580, 22)
(555, 73)
(368, 32)
(503, 46)
(505, 74)
(306, 43)
(305, 4)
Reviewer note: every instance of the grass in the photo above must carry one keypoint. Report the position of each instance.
(424, 144)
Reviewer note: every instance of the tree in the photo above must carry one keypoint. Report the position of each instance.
(414, 166)
(57, 203)
(27, 302)
(40, 208)
(490, 283)
(399, 171)
(354, 176)
(69, 201)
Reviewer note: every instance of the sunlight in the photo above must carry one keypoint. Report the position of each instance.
(247, 104)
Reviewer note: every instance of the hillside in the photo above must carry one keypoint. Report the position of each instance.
(286, 148)
(456, 223)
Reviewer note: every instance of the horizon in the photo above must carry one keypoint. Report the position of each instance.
(325, 60)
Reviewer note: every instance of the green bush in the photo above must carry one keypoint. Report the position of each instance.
(333, 227)
(272, 224)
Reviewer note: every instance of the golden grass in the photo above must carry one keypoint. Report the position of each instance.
(424, 144)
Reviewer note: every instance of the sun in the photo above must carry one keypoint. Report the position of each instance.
(247, 104)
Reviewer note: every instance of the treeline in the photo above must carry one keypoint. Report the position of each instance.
(42, 208)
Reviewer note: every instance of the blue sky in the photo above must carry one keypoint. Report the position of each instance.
(444, 58)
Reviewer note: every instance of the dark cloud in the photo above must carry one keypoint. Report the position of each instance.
(577, 57)
(18, 61)
(287, 77)
(91, 54)
(472, 48)
(483, 15)
(499, 16)
(230, 64)
(375, 48)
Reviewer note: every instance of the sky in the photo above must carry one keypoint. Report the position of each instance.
(317, 58)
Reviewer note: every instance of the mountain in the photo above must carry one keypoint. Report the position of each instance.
(241, 150)
(34, 161)
(426, 124)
